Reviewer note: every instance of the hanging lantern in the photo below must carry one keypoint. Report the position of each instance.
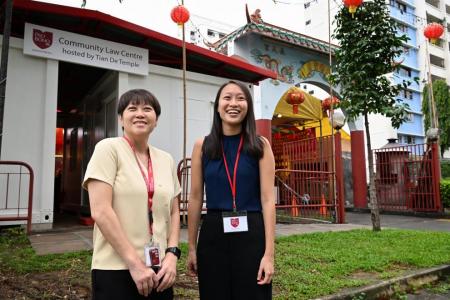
(433, 32)
(352, 5)
(180, 14)
(277, 136)
(295, 98)
(326, 103)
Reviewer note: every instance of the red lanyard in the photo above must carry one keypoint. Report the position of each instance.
(149, 182)
(233, 182)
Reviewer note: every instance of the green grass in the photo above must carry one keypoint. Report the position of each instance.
(16, 254)
(307, 266)
(323, 263)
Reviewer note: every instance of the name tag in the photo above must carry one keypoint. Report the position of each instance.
(235, 221)
(152, 255)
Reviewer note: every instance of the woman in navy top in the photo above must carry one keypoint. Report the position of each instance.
(234, 256)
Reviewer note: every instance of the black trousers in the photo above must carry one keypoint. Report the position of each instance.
(228, 263)
(119, 285)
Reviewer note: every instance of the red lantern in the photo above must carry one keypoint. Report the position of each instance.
(277, 136)
(326, 103)
(179, 14)
(433, 32)
(352, 5)
(295, 98)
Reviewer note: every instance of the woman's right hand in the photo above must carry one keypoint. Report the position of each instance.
(144, 278)
(192, 263)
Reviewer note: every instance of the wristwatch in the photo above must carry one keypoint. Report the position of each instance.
(175, 251)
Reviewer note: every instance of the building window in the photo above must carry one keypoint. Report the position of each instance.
(437, 61)
(401, 7)
(404, 72)
(406, 139)
(402, 28)
(308, 22)
(409, 117)
(407, 94)
(211, 32)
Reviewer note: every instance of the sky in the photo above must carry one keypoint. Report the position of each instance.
(155, 14)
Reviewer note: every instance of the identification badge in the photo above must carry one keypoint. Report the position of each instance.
(235, 221)
(152, 255)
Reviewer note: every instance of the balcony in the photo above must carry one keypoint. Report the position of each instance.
(411, 3)
(434, 3)
(409, 58)
(414, 127)
(437, 61)
(409, 32)
(434, 15)
(398, 78)
(403, 16)
(438, 71)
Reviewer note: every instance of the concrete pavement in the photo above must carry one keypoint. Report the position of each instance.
(75, 238)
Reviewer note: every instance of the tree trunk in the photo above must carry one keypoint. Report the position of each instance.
(4, 62)
(373, 203)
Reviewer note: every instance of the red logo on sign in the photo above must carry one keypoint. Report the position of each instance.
(234, 222)
(42, 39)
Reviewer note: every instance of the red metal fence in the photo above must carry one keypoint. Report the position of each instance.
(407, 178)
(306, 194)
(16, 192)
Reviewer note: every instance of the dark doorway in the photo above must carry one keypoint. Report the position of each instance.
(75, 84)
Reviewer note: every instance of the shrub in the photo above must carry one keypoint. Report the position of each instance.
(445, 168)
(445, 192)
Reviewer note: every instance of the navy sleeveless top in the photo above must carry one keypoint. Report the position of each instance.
(217, 186)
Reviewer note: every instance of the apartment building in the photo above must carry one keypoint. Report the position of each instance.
(411, 17)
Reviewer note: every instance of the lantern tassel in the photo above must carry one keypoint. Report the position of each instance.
(352, 10)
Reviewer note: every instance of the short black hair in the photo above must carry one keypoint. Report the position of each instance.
(138, 96)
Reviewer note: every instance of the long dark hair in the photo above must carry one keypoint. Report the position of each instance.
(253, 145)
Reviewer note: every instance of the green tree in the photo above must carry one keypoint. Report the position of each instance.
(442, 100)
(369, 47)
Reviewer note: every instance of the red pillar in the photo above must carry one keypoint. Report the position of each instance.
(436, 175)
(264, 128)
(339, 178)
(359, 169)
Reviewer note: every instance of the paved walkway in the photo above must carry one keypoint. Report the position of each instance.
(80, 238)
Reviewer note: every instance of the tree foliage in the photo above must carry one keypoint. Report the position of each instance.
(369, 48)
(441, 95)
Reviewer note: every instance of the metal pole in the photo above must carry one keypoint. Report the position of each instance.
(4, 63)
(333, 146)
(184, 109)
(434, 120)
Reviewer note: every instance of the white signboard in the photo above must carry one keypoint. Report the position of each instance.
(66, 46)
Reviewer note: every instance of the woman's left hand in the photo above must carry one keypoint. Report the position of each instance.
(168, 272)
(266, 270)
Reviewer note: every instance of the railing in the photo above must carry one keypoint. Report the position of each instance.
(15, 204)
(407, 178)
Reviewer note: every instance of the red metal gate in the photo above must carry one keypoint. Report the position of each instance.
(16, 197)
(407, 178)
(306, 185)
